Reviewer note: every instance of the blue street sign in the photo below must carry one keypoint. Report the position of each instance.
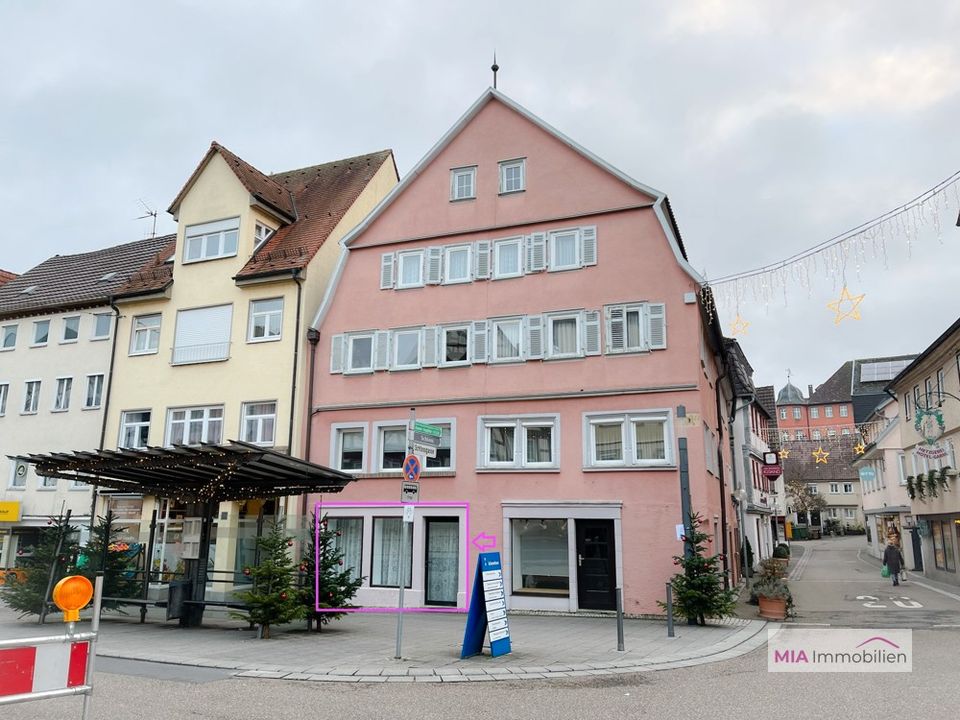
(411, 468)
(488, 610)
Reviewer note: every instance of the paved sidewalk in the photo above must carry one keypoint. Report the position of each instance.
(360, 648)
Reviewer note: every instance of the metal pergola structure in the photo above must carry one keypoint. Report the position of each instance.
(205, 474)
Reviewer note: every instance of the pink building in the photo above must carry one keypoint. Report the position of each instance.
(537, 305)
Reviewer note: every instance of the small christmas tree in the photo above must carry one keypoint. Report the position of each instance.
(106, 551)
(698, 591)
(27, 597)
(335, 583)
(274, 599)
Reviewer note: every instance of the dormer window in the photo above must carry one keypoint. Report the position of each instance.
(463, 183)
(211, 240)
(261, 234)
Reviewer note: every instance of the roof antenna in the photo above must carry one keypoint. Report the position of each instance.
(494, 67)
(149, 213)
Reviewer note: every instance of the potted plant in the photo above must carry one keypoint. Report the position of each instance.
(774, 598)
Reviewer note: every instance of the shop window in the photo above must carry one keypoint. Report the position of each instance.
(388, 533)
(348, 539)
(541, 564)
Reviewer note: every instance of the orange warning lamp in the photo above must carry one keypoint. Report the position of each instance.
(71, 594)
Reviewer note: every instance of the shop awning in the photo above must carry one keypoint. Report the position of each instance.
(200, 473)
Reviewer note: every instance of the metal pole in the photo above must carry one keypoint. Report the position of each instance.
(669, 610)
(53, 567)
(403, 546)
(620, 619)
(95, 628)
(148, 558)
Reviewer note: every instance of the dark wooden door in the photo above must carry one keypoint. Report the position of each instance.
(596, 565)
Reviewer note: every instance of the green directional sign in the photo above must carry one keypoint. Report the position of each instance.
(427, 429)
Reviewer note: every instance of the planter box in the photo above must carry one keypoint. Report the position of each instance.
(773, 608)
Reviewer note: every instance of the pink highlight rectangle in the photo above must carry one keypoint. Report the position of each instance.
(316, 544)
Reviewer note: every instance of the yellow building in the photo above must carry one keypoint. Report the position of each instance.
(212, 341)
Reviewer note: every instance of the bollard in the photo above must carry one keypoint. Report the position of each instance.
(669, 610)
(619, 619)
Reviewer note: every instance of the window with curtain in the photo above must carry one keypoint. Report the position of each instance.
(635, 439)
(541, 564)
(393, 447)
(539, 443)
(410, 269)
(608, 442)
(506, 345)
(564, 336)
(348, 539)
(350, 443)
(519, 443)
(500, 445)
(456, 264)
(385, 559)
(649, 440)
(564, 250)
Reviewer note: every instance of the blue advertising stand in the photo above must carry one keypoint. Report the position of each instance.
(488, 610)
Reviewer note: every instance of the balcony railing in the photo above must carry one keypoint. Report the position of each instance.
(191, 354)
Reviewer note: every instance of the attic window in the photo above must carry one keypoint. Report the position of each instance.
(29, 290)
(261, 234)
(211, 240)
(108, 276)
(169, 260)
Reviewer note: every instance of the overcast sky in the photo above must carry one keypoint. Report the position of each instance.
(771, 125)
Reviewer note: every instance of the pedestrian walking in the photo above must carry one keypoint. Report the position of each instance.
(893, 559)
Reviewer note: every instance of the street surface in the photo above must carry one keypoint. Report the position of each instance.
(829, 587)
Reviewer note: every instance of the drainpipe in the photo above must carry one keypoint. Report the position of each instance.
(106, 402)
(313, 337)
(723, 487)
(296, 352)
(743, 535)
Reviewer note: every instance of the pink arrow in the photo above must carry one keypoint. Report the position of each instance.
(484, 541)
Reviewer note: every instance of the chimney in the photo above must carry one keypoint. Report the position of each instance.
(809, 391)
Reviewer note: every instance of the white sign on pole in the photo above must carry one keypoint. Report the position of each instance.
(680, 531)
(427, 451)
(408, 513)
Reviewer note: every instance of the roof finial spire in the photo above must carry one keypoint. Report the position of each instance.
(494, 67)
(788, 376)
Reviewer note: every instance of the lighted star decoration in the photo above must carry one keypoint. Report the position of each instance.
(739, 326)
(853, 313)
(860, 448)
(784, 454)
(821, 455)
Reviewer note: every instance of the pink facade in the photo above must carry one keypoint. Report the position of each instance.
(550, 330)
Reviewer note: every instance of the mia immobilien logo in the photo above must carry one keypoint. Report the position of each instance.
(839, 650)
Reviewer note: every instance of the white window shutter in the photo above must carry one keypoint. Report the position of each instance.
(478, 339)
(387, 264)
(588, 237)
(591, 332)
(536, 252)
(657, 326)
(337, 347)
(434, 262)
(616, 328)
(534, 325)
(381, 350)
(428, 353)
(482, 260)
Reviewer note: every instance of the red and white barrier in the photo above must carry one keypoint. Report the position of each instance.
(43, 667)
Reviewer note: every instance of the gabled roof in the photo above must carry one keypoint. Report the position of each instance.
(740, 370)
(262, 187)
(837, 387)
(65, 282)
(801, 463)
(6, 276)
(766, 399)
(927, 352)
(661, 205)
(323, 194)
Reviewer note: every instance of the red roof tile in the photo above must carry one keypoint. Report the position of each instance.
(6, 275)
(155, 275)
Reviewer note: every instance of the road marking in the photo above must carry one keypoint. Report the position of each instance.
(947, 626)
(810, 624)
(802, 565)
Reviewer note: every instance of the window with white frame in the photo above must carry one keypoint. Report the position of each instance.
(360, 353)
(4, 392)
(907, 404)
(211, 240)
(796, 413)
(506, 341)
(261, 233)
(102, 324)
(348, 447)
(445, 457)
(134, 429)
(507, 258)
(259, 424)
(845, 431)
(391, 447)
(813, 489)
(902, 467)
(18, 473)
(31, 397)
(348, 540)
(831, 512)
(800, 435)
(41, 332)
(388, 534)
(8, 337)
(828, 411)
(519, 442)
(202, 335)
(848, 488)
(784, 436)
(46, 483)
(541, 564)
(145, 335)
(463, 183)
(266, 320)
(831, 433)
(456, 264)
(564, 250)
(71, 329)
(512, 176)
(844, 411)
(563, 335)
(815, 434)
(635, 439)
(783, 413)
(814, 413)
(834, 488)
(406, 349)
(61, 400)
(196, 425)
(455, 344)
(410, 269)
(92, 397)
(848, 513)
